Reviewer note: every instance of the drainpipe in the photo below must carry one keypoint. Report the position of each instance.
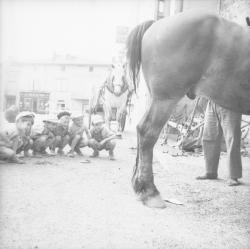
(219, 6)
(1, 94)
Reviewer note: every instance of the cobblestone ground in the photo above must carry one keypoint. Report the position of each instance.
(62, 203)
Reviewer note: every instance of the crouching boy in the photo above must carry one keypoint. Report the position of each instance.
(45, 138)
(11, 137)
(101, 138)
(76, 133)
(27, 141)
(61, 132)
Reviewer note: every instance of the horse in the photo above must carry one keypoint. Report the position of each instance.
(114, 96)
(194, 54)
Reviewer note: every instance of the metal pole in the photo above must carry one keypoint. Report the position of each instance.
(219, 7)
(33, 94)
(2, 93)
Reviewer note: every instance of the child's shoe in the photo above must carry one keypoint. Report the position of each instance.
(95, 153)
(60, 152)
(78, 151)
(71, 153)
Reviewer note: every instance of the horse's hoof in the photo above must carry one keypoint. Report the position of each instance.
(155, 202)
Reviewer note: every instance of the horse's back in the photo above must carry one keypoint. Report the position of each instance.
(200, 51)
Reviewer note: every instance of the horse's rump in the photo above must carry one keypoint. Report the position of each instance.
(201, 52)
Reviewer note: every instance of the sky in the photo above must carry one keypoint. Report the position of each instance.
(38, 29)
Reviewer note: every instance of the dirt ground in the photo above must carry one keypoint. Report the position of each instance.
(61, 203)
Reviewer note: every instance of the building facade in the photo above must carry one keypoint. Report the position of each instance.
(65, 81)
(47, 87)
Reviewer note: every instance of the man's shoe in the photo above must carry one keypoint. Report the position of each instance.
(71, 153)
(207, 176)
(44, 153)
(233, 182)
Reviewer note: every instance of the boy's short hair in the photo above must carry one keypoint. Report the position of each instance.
(63, 113)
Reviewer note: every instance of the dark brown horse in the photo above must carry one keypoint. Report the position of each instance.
(190, 53)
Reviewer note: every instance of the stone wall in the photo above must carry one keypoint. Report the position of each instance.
(235, 10)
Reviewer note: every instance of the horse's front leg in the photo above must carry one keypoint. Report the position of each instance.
(122, 110)
(148, 131)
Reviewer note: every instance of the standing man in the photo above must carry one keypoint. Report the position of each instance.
(219, 121)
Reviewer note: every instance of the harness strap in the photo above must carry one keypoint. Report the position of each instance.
(110, 87)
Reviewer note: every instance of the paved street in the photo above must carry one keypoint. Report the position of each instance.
(60, 202)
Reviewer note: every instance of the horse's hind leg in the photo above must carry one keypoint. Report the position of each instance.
(148, 131)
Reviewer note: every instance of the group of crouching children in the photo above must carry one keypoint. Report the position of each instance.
(55, 134)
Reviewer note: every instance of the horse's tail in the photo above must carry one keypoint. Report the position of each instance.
(134, 42)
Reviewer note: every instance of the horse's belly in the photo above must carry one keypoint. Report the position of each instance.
(115, 101)
(229, 92)
(238, 102)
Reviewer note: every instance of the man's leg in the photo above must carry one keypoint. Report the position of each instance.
(82, 143)
(110, 146)
(64, 142)
(40, 145)
(92, 143)
(57, 143)
(20, 149)
(73, 143)
(211, 142)
(231, 125)
(28, 146)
